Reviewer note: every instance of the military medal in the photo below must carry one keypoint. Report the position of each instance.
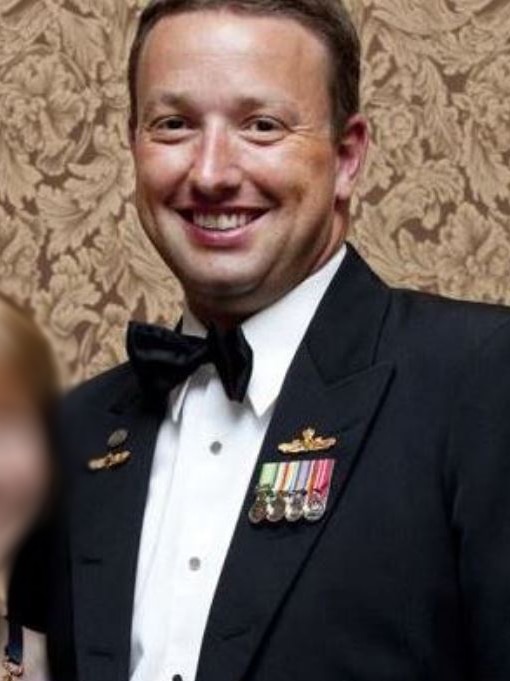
(318, 490)
(257, 512)
(275, 510)
(276, 501)
(314, 507)
(296, 495)
(310, 487)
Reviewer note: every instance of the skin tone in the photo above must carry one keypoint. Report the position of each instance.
(234, 120)
(24, 470)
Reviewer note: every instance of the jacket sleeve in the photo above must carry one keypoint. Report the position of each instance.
(478, 493)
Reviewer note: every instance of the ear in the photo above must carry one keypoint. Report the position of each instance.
(351, 154)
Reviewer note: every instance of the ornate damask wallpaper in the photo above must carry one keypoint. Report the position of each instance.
(432, 211)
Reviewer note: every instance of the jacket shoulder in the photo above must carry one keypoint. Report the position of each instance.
(104, 389)
(431, 324)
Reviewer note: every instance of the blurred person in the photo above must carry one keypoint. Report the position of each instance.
(309, 478)
(27, 391)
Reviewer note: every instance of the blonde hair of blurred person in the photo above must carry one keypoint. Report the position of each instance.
(28, 387)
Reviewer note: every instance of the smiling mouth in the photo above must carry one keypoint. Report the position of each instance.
(222, 220)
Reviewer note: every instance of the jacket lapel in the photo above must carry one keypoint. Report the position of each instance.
(335, 386)
(107, 521)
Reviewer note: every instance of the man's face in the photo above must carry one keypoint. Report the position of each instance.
(241, 185)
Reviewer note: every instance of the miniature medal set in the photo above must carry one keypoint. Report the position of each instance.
(294, 490)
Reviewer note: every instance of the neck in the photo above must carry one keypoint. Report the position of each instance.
(211, 315)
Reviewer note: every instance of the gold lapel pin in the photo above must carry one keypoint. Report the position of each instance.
(308, 442)
(112, 459)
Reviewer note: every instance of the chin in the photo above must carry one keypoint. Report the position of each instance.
(220, 288)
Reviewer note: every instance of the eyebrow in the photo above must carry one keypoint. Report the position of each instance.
(168, 99)
(180, 100)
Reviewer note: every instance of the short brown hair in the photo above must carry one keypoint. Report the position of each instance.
(328, 19)
(25, 350)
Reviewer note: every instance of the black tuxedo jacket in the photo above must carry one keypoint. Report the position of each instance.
(406, 578)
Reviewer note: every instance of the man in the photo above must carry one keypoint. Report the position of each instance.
(310, 479)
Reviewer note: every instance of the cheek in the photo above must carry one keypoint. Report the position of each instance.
(160, 169)
(295, 172)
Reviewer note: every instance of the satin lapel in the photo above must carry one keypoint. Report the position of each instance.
(337, 394)
(108, 515)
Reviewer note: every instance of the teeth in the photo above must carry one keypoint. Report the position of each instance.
(222, 222)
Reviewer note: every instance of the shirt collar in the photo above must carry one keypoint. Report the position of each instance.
(274, 335)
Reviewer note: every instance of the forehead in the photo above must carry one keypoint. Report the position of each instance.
(222, 51)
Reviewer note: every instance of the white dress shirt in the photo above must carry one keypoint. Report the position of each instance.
(205, 456)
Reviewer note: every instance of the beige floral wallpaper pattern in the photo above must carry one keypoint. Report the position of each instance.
(432, 211)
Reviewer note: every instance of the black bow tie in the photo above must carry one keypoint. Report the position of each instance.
(163, 359)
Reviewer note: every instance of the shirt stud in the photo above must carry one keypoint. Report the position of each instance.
(216, 447)
(195, 564)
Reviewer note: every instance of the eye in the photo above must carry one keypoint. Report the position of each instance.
(264, 129)
(172, 123)
(263, 125)
(171, 128)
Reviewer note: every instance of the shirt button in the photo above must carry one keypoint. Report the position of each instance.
(195, 564)
(177, 677)
(216, 447)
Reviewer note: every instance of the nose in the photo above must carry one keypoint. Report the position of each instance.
(215, 172)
